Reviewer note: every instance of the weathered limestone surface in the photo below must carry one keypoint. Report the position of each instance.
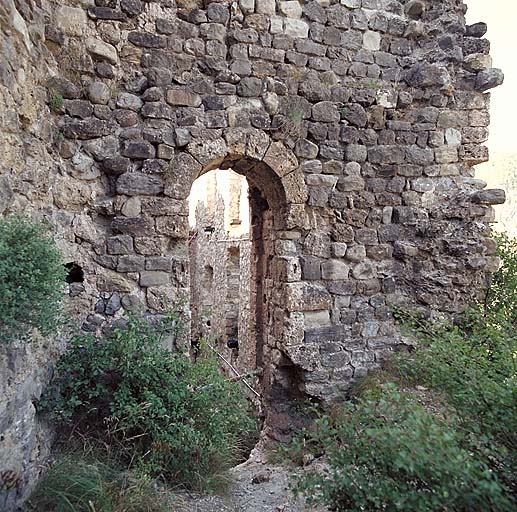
(357, 125)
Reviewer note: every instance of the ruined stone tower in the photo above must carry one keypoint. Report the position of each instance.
(357, 125)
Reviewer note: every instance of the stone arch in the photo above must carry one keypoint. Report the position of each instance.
(276, 189)
(269, 165)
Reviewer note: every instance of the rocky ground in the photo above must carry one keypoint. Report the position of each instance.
(256, 487)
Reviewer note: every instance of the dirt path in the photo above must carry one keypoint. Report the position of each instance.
(257, 487)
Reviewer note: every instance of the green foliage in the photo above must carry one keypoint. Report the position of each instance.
(77, 484)
(344, 111)
(454, 450)
(473, 364)
(32, 276)
(56, 102)
(389, 453)
(501, 297)
(167, 415)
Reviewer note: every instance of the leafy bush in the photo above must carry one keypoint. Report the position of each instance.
(455, 450)
(388, 453)
(165, 414)
(501, 298)
(473, 365)
(77, 484)
(31, 279)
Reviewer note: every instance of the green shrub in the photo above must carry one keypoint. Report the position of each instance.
(501, 298)
(77, 484)
(473, 365)
(56, 102)
(389, 453)
(475, 373)
(167, 415)
(31, 279)
(452, 451)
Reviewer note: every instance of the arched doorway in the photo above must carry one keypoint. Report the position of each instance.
(236, 213)
(273, 267)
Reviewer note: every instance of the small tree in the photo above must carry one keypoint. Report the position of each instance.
(31, 279)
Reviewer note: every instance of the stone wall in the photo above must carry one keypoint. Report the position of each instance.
(357, 125)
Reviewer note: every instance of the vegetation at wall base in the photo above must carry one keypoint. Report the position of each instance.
(32, 277)
(436, 429)
(166, 416)
(78, 483)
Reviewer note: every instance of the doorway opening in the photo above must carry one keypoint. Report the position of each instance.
(220, 252)
(243, 228)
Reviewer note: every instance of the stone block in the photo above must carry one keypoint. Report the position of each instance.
(111, 281)
(71, 20)
(386, 154)
(137, 150)
(371, 41)
(101, 50)
(130, 263)
(78, 108)
(267, 7)
(306, 149)
(181, 97)
(106, 13)
(85, 129)
(356, 253)
(296, 28)
(316, 318)
(334, 270)
(304, 296)
(131, 7)
(311, 268)
(132, 207)
(446, 154)
(129, 101)
(147, 40)
(173, 226)
(121, 244)
(138, 226)
(488, 79)
(153, 278)
(149, 245)
(364, 270)
(489, 196)
(163, 263)
(247, 6)
(291, 8)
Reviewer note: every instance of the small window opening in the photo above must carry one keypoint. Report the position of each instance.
(75, 273)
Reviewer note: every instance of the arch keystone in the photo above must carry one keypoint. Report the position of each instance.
(248, 142)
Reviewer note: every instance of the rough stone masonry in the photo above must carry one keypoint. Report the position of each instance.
(356, 123)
